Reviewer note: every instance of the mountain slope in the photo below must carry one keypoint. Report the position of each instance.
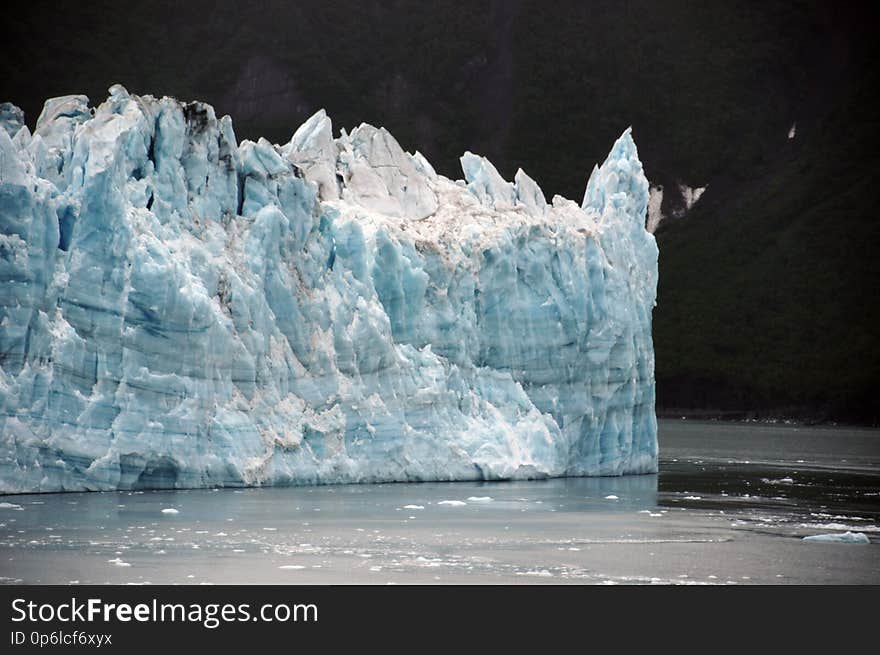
(768, 291)
(767, 288)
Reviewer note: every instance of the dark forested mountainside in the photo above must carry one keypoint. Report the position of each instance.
(768, 288)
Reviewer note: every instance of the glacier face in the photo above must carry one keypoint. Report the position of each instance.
(179, 310)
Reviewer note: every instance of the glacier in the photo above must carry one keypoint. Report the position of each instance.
(180, 310)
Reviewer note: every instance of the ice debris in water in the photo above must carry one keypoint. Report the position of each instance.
(170, 510)
(841, 538)
(178, 309)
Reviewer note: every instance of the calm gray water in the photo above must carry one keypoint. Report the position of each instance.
(731, 505)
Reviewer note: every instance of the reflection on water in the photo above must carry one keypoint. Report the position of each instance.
(88, 511)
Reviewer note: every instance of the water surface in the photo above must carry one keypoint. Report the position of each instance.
(731, 505)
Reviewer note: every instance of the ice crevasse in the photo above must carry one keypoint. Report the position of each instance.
(179, 310)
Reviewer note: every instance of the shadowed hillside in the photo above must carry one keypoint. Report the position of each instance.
(768, 288)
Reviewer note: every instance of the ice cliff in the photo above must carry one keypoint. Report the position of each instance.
(180, 310)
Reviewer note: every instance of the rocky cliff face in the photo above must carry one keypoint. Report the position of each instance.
(179, 310)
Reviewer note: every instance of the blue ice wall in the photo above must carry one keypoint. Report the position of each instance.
(180, 310)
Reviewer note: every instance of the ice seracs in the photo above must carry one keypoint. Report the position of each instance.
(529, 194)
(11, 118)
(378, 175)
(181, 310)
(486, 183)
(314, 152)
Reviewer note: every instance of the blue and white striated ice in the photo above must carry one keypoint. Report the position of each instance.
(178, 310)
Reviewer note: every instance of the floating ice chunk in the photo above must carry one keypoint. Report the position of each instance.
(118, 562)
(611, 497)
(786, 480)
(13, 506)
(452, 503)
(842, 538)
(480, 499)
(170, 510)
(292, 567)
(413, 507)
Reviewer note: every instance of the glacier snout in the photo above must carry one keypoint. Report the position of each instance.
(181, 310)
